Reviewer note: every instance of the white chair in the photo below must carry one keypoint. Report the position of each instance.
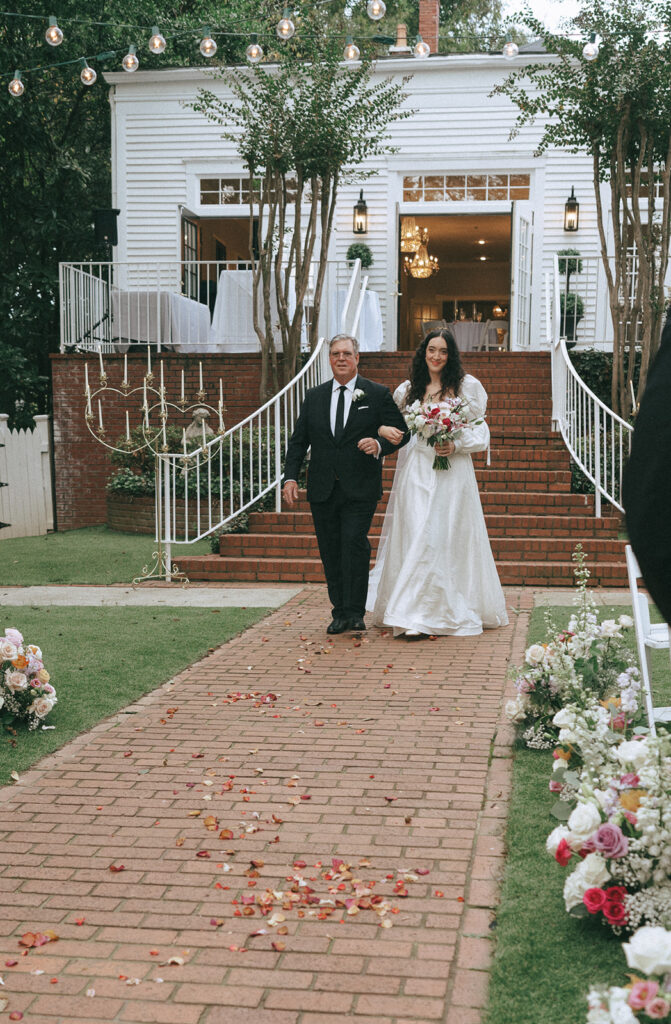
(649, 637)
(484, 336)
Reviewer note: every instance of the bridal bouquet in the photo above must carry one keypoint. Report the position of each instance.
(439, 422)
(25, 690)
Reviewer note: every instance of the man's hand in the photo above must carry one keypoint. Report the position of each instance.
(290, 492)
(369, 446)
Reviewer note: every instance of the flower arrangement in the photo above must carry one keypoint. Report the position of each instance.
(646, 998)
(25, 691)
(585, 660)
(439, 422)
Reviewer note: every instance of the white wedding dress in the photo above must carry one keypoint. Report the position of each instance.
(435, 571)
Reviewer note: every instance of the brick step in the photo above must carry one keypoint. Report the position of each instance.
(498, 525)
(514, 457)
(508, 501)
(309, 570)
(290, 546)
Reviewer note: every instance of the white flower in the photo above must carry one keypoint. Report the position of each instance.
(516, 709)
(357, 394)
(583, 822)
(620, 1011)
(609, 628)
(8, 650)
(589, 874)
(564, 718)
(34, 650)
(632, 752)
(626, 621)
(41, 707)
(2, 700)
(649, 950)
(555, 838)
(534, 654)
(15, 680)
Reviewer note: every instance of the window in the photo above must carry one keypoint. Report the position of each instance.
(235, 191)
(471, 187)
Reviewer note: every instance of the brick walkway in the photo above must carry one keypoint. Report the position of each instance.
(389, 755)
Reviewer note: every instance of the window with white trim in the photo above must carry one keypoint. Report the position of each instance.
(234, 191)
(468, 187)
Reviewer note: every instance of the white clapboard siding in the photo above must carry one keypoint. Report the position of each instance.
(25, 466)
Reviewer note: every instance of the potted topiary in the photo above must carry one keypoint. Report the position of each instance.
(569, 262)
(360, 251)
(571, 308)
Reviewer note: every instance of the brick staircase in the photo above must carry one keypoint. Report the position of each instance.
(534, 521)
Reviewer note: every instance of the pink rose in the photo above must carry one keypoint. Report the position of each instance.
(630, 816)
(615, 913)
(657, 1008)
(14, 636)
(563, 853)
(610, 841)
(641, 993)
(555, 787)
(616, 893)
(629, 779)
(594, 900)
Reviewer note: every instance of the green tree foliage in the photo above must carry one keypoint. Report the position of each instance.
(617, 109)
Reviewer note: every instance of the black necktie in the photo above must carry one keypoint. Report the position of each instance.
(340, 414)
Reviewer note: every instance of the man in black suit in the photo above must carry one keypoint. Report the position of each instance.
(339, 421)
(647, 480)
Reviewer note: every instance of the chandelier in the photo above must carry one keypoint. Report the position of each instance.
(421, 265)
(410, 235)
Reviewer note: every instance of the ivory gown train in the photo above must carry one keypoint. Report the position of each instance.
(435, 571)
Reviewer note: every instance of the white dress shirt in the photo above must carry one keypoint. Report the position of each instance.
(335, 395)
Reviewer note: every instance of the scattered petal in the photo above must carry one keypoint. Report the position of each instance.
(117, 867)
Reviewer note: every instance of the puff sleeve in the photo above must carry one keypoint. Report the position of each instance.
(475, 438)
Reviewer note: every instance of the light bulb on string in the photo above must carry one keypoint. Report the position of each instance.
(376, 9)
(207, 47)
(16, 86)
(590, 50)
(157, 41)
(510, 48)
(421, 50)
(130, 61)
(87, 75)
(254, 52)
(351, 51)
(285, 26)
(53, 35)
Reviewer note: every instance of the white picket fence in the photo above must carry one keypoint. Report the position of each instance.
(26, 503)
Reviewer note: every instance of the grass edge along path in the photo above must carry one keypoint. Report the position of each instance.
(546, 961)
(103, 659)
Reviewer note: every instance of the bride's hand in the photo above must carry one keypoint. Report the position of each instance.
(445, 449)
(391, 434)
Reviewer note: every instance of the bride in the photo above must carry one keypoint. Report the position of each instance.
(435, 572)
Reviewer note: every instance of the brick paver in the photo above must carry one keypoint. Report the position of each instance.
(389, 755)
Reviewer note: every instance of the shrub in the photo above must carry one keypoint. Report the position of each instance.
(360, 251)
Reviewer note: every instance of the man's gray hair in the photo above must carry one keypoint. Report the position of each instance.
(344, 337)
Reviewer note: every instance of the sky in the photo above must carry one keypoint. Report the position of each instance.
(548, 11)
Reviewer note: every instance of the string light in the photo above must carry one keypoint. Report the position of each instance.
(351, 51)
(16, 86)
(53, 35)
(130, 61)
(510, 48)
(376, 9)
(157, 41)
(590, 50)
(285, 26)
(207, 47)
(254, 52)
(88, 75)
(421, 49)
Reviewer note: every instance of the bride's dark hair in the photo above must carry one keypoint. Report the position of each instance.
(452, 374)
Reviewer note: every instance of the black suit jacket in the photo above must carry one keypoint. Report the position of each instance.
(359, 475)
(646, 490)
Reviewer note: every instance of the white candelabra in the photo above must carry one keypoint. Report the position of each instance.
(154, 403)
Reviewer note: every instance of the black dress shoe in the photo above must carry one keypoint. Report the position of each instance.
(356, 625)
(337, 626)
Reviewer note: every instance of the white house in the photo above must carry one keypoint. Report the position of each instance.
(493, 211)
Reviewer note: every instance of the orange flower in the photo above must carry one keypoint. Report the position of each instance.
(611, 704)
(562, 755)
(20, 661)
(631, 800)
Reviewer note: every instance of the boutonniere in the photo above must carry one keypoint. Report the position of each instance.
(357, 394)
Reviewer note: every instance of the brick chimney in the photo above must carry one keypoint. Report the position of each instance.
(428, 22)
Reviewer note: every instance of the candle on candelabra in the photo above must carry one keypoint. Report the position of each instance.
(221, 418)
(221, 393)
(127, 427)
(125, 370)
(200, 370)
(100, 356)
(100, 415)
(86, 379)
(162, 390)
(148, 360)
(204, 438)
(165, 440)
(182, 396)
(184, 439)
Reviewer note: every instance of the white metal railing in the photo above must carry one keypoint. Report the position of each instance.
(187, 305)
(597, 438)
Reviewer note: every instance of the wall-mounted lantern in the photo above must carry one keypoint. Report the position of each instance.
(360, 222)
(571, 212)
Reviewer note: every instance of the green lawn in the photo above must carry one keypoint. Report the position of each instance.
(545, 960)
(101, 659)
(93, 555)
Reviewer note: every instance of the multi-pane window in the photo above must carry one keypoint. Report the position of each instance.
(440, 188)
(234, 191)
